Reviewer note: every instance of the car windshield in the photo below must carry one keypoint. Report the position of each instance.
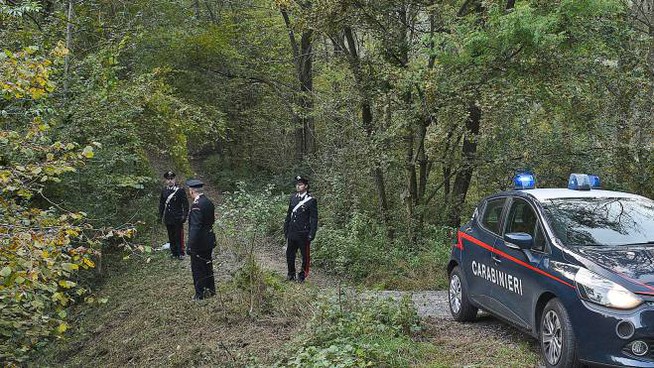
(601, 221)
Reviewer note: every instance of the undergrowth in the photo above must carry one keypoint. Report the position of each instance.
(346, 331)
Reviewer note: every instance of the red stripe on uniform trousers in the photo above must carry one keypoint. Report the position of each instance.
(513, 259)
(308, 260)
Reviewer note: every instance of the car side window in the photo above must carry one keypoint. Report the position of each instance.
(492, 214)
(539, 240)
(522, 218)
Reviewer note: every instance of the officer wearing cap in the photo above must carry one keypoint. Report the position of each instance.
(201, 240)
(173, 209)
(300, 227)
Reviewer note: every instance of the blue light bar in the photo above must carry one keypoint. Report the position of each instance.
(595, 181)
(579, 182)
(524, 180)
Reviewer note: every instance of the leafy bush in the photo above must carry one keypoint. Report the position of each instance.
(347, 332)
(251, 212)
(42, 246)
(354, 250)
(361, 251)
(260, 286)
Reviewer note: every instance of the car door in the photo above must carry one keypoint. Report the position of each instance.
(477, 239)
(515, 272)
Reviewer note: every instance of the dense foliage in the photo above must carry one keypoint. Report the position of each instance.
(41, 245)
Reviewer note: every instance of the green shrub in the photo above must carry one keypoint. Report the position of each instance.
(348, 332)
(252, 212)
(352, 251)
(362, 252)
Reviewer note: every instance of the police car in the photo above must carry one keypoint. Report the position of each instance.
(574, 267)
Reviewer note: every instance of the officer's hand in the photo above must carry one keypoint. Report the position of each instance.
(310, 238)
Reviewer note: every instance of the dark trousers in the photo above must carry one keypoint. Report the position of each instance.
(202, 268)
(304, 246)
(176, 238)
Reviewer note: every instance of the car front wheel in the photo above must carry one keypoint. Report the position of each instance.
(460, 307)
(557, 339)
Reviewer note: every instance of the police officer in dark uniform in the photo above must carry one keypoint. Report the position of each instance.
(173, 209)
(201, 240)
(300, 228)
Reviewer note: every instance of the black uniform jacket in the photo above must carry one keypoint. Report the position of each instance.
(201, 238)
(173, 211)
(303, 222)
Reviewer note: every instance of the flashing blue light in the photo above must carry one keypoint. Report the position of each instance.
(524, 180)
(579, 182)
(595, 181)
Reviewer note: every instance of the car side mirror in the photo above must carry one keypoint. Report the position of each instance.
(520, 240)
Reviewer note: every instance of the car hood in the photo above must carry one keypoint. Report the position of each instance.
(635, 265)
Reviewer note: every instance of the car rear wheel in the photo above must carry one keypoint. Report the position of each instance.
(557, 339)
(460, 307)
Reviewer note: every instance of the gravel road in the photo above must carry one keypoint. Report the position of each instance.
(428, 303)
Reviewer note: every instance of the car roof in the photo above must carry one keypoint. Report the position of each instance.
(544, 194)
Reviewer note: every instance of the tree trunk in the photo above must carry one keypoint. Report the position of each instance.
(367, 122)
(69, 46)
(196, 8)
(303, 60)
(305, 76)
(468, 152)
(212, 13)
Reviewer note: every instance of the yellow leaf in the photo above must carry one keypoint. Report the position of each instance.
(88, 262)
(88, 152)
(62, 327)
(66, 284)
(69, 266)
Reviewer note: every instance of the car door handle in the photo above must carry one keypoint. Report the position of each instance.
(511, 245)
(496, 258)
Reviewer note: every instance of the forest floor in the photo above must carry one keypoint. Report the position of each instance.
(150, 320)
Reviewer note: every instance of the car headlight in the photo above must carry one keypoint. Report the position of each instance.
(596, 289)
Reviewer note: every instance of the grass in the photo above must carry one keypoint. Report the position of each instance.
(484, 343)
(150, 320)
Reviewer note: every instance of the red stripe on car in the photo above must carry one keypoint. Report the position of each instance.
(510, 258)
